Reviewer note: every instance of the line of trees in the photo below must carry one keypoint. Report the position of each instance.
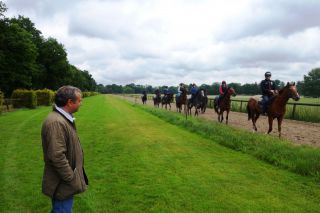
(309, 87)
(30, 61)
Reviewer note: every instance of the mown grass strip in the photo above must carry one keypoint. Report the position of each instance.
(302, 160)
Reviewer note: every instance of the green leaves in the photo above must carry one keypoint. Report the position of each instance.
(29, 61)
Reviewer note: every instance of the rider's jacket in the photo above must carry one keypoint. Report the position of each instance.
(194, 90)
(166, 92)
(223, 90)
(266, 86)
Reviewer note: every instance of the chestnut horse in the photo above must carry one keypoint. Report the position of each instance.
(224, 104)
(181, 100)
(276, 109)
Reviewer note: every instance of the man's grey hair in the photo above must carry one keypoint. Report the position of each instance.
(64, 94)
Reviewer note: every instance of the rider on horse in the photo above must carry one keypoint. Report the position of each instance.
(157, 92)
(194, 90)
(268, 89)
(166, 91)
(179, 89)
(223, 89)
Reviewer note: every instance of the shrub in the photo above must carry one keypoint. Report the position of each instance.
(45, 97)
(24, 98)
(88, 94)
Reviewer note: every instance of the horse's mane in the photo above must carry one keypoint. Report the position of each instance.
(289, 84)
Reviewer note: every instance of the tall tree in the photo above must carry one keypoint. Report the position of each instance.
(38, 76)
(18, 57)
(3, 9)
(311, 84)
(54, 59)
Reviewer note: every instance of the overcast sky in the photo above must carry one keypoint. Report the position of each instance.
(166, 42)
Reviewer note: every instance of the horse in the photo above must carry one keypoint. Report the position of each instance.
(157, 100)
(204, 101)
(224, 104)
(144, 98)
(181, 100)
(276, 108)
(198, 102)
(167, 99)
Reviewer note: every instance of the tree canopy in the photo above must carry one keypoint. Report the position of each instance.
(30, 61)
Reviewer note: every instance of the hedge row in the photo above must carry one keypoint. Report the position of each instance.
(1, 101)
(88, 94)
(24, 98)
(45, 97)
(31, 98)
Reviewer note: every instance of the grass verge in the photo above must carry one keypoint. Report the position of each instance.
(302, 160)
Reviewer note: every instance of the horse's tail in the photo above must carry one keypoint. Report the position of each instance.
(215, 106)
(250, 111)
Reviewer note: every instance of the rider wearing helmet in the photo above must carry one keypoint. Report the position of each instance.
(179, 89)
(268, 89)
(165, 91)
(223, 89)
(193, 91)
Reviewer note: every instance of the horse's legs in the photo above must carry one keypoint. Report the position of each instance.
(279, 125)
(227, 116)
(221, 117)
(196, 111)
(270, 119)
(255, 117)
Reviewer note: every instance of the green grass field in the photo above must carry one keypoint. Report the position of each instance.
(137, 162)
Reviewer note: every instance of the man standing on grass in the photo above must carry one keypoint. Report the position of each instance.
(64, 175)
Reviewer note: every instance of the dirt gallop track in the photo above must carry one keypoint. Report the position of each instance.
(297, 132)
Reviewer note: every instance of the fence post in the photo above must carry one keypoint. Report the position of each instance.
(293, 111)
(241, 106)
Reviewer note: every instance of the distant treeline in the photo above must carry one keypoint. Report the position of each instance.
(213, 89)
(309, 87)
(30, 61)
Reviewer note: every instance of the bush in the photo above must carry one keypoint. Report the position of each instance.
(45, 97)
(88, 94)
(24, 98)
(1, 101)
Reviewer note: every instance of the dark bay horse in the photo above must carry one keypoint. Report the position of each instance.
(276, 109)
(204, 101)
(144, 98)
(181, 100)
(157, 99)
(198, 102)
(224, 104)
(167, 100)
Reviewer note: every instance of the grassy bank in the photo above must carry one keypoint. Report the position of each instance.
(302, 160)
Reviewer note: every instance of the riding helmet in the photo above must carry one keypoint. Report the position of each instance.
(267, 74)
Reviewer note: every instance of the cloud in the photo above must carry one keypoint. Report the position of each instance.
(168, 42)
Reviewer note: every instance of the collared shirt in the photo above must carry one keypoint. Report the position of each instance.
(66, 114)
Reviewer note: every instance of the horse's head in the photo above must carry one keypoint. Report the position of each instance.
(231, 91)
(183, 90)
(293, 92)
